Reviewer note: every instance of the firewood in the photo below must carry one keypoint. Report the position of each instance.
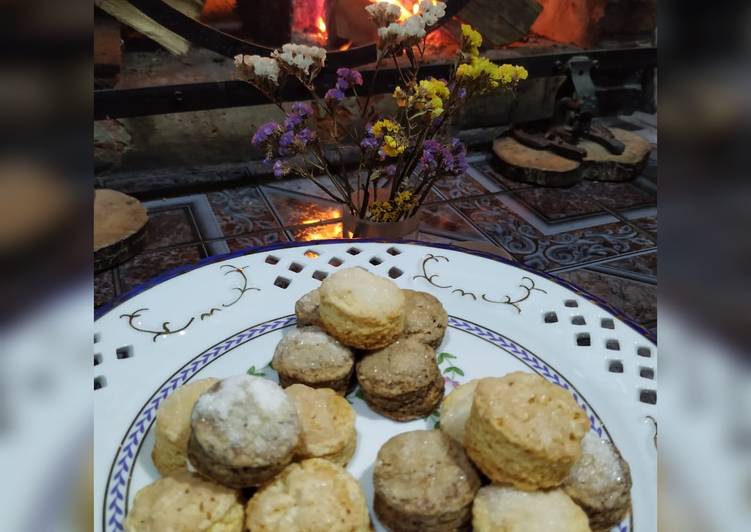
(601, 165)
(541, 167)
(130, 16)
(108, 57)
(349, 22)
(501, 21)
(120, 223)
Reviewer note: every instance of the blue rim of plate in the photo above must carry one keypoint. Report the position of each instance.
(175, 272)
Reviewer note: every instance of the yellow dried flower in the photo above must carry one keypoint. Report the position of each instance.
(471, 40)
(482, 75)
(435, 91)
(400, 96)
(384, 126)
(392, 146)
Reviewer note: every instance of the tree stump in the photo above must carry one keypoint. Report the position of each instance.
(120, 223)
(541, 167)
(601, 165)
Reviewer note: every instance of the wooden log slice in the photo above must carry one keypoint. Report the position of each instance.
(541, 167)
(601, 165)
(120, 223)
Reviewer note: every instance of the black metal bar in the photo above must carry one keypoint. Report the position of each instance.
(120, 103)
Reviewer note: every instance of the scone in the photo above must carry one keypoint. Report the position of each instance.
(425, 318)
(172, 428)
(310, 356)
(401, 381)
(524, 430)
(600, 482)
(511, 510)
(455, 410)
(306, 309)
(360, 309)
(245, 430)
(424, 482)
(311, 496)
(327, 424)
(185, 502)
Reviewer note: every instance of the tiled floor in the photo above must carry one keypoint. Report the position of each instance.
(600, 236)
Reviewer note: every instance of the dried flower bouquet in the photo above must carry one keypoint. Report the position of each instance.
(403, 154)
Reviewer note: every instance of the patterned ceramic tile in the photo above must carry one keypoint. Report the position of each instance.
(264, 239)
(645, 264)
(549, 251)
(241, 210)
(293, 209)
(638, 300)
(648, 223)
(143, 267)
(459, 187)
(489, 170)
(615, 196)
(558, 204)
(168, 227)
(318, 232)
(444, 220)
(104, 288)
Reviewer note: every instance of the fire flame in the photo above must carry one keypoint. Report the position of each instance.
(321, 25)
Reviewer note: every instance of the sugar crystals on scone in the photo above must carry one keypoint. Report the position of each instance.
(425, 318)
(524, 430)
(360, 309)
(185, 502)
(511, 510)
(307, 355)
(424, 481)
(172, 427)
(327, 424)
(600, 482)
(401, 381)
(311, 496)
(244, 431)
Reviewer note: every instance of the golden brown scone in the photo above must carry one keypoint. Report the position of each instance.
(424, 482)
(504, 508)
(401, 381)
(244, 431)
(307, 355)
(360, 309)
(185, 502)
(306, 309)
(455, 410)
(600, 482)
(327, 424)
(425, 318)
(311, 496)
(172, 428)
(524, 430)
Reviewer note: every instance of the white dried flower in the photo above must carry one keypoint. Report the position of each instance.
(303, 61)
(383, 13)
(431, 13)
(397, 35)
(263, 72)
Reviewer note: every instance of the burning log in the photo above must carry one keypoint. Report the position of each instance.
(501, 21)
(267, 23)
(348, 23)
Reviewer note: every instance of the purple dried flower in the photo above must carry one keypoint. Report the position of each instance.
(462, 93)
(305, 136)
(265, 132)
(292, 121)
(391, 170)
(334, 96)
(369, 143)
(302, 109)
(351, 77)
(280, 169)
(285, 143)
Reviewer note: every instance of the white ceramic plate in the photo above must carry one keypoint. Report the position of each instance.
(227, 316)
